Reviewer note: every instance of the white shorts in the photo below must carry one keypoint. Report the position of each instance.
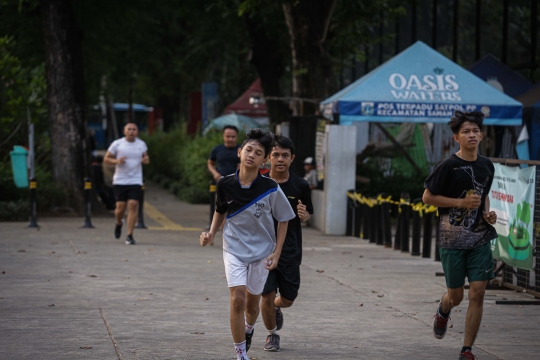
(252, 276)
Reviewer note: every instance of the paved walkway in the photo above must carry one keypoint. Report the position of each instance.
(71, 293)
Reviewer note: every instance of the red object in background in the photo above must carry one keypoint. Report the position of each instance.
(151, 121)
(155, 116)
(264, 170)
(195, 112)
(250, 103)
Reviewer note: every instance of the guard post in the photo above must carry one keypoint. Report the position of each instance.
(405, 220)
(87, 203)
(33, 206)
(366, 228)
(351, 214)
(416, 226)
(426, 246)
(140, 218)
(373, 222)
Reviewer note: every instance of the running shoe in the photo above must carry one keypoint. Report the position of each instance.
(467, 355)
(241, 356)
(248, 340)
(272, 343)
(440, 324)
(279, 318)
(130, 240)
(118, 230)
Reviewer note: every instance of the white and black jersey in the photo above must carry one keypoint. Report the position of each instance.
(249, 231)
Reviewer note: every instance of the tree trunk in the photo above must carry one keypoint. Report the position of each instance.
(65, 91)
(266, 59)
(308, 22)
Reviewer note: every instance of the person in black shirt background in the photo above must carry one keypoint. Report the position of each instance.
(286, 277)
(225, 155)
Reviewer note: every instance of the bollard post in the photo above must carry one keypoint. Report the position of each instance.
(426, 246)
(437, 234)
(366, 226)
(349, 229)
(397, 236)
(33, 206)
(358, 220)
(212, 190)
(380, 223)
(373, 223)
(87, 203)
(405, 222)
(416, 228)
(387, 225)
(140, 218)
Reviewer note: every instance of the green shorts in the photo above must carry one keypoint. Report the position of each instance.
(475, 264)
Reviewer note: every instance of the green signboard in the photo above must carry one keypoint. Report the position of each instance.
(512, 198)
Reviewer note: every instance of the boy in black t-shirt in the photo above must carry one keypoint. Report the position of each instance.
(459, 186)
(286, 277)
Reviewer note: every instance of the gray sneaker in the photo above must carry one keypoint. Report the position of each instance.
(440, 324)
(279, 319)
(272, 343)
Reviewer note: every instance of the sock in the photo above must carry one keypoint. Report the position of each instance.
(466, 348)
(273, 331)
(443, 314)
(249, 328)
(240, 350)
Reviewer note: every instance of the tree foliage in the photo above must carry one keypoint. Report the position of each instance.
(22, 96)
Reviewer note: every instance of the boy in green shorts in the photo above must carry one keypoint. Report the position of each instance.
(459, 186)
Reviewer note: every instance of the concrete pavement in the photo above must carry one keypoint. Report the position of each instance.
(71, 293)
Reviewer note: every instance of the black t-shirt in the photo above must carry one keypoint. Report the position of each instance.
(227, 158)
(462, 228)
(296, 188)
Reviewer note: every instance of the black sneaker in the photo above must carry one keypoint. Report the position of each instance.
(279, 318)
(440, 324)
(118, 230)
(130, 240)
(467, 355)
(248, 340)
(272, 343)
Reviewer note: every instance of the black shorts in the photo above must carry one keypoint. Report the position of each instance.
(128, 192)
(286, 278)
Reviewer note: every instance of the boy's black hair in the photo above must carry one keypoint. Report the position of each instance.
(460, 117)
(284, 143)
(264, 138)
(232, 127)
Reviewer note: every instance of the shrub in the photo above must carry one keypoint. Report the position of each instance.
(393, 184)
(178, 162)
(14, 202)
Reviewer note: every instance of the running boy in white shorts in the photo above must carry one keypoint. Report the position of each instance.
(251, 246)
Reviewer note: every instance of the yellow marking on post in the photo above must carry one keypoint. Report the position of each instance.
(33, 184)
(167, 224)
(87, 185)
(212, 188)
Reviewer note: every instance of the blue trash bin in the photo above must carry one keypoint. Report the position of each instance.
(19, 165)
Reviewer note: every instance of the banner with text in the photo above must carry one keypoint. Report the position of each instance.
(512, 198)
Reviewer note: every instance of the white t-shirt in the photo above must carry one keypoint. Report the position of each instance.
(130, 172)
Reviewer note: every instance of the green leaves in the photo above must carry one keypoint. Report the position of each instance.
(22, 88)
